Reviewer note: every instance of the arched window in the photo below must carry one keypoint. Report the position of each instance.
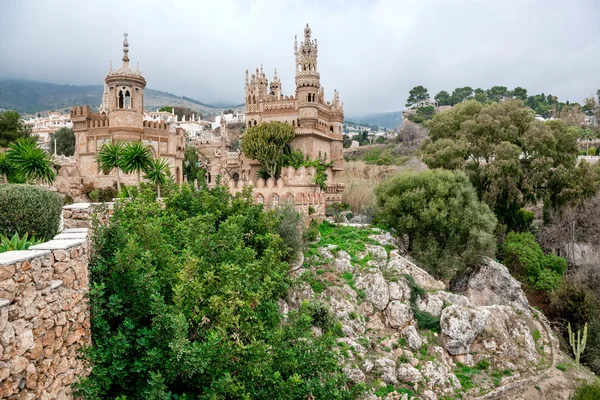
(254, 122)
(120, 99)
(127, 99)
(294, 123)
(331, 129)
(275, 200)
(260, 199)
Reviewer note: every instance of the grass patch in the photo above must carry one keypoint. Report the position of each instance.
(536, 335)
(350, 239)
(348, 277)
(465, 374)
(498, 375)
(587, 391)
(561, 367)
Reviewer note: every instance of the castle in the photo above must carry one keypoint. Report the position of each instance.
(318, 125)
(120, 118)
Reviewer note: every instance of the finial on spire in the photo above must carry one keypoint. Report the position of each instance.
(307, 32)
(295, 42)
(138, 67)
(110, 67)
(275, 75)
(125, 50)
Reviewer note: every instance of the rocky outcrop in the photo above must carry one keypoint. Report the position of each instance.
(491, 284)
(390, 335)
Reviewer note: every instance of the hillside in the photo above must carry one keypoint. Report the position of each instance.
(391, 120)
(30, 97)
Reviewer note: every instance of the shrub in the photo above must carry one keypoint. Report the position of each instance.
(29, 209)
(524, 257)
(587, 391)
(440, 219)
(592, 151)
(311, 234)
(289, 228)
(184, 304)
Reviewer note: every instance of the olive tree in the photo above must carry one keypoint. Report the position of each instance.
(438, 216)
(266, 143)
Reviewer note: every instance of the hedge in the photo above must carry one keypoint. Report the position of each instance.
(29, 209)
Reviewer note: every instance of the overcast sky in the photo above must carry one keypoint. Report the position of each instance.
(373, 52)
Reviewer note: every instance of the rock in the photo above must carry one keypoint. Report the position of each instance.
(453, 298)
(408, 374)
(325, 253)
(439, 376)
(398, 314)
(412, 337)
(354, 374)
(492, 284)
(403, 266)
(399, 291)
(379, 254)
(431, 304)
(429, 395)
(376, 289)
(387, 369)
(368, 366)
(460, 325)
(343, 265)
(384, 238)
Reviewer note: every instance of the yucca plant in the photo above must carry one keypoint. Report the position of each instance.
(30, 160)
(17, 243)
(109, 158)
(158, 172)
(6, 167)
(136, 158)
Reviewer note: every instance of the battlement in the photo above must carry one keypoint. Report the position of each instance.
(288, 102)
(81, 111)
(155, 125)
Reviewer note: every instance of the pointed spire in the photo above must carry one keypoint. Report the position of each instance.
(307, 32)
(125, 50)
(138, 68)
(275, 75)
(110, 67)
(246, 77)
(295, 43)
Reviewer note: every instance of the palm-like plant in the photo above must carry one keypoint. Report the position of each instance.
(158, 172)
(6, 167)
(27, 158)
(136, 158)
(109, 158)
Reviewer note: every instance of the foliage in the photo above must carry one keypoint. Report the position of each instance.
(7, 170)
(524, 257)
(511, 158)
(12, 128)
(289, 228)
(191, 165)
(29, 209)
(16, 242)
(443, 98)
(577, 343)
(184, 305)
(295, 158)
(65, 142)
(266, 143)
(31, 161)
(416, 94)
(426, 112)
(587, 391)
(136, 157)
(311, 234)
(437, 213)
(158, 172)
(110, 157)
(424, 319)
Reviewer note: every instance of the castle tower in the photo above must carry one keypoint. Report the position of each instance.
(125, 95)
(308, 80)
(275, 86)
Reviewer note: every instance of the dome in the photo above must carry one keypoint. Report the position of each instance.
(125, 72)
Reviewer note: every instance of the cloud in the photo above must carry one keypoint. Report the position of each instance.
(373, 52)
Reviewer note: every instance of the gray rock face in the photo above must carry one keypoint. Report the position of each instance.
(354, 374)
(412, 337)
(399, 290)
(398, 314)
(408, 374)
(460, 325)
(493, 284)
(376, 289)
(378, 254)
(432, 304)
(439, 376)
(387, 370)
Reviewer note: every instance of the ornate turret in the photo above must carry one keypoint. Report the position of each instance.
(308, 80)
(275, 86)
(125, 93)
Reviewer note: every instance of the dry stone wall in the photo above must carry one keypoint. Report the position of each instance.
(44, 318)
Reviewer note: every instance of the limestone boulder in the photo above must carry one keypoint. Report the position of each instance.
(408, 374)
(432, 304)
(398, 314)
(492, 284)
(386, 368)
(412, 337)
(460, 326)
(375, 287)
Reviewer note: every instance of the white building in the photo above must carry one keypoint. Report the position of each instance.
(45, 127)
(193, 126)
(237, 117)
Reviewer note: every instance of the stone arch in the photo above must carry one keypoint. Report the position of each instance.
(127, 103)
(120, 99)
(259, 199)
(275, 200)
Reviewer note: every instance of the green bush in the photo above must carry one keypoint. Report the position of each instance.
(289, 228)
(524, 257)
(184, 305)
(587, 391)
(438, 215)
(29, 209)
(592, 151)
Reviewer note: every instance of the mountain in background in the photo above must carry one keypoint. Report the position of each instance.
(390, 120)
(30, 97)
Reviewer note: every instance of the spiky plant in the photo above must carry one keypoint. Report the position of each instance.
(16, 242)
(136, 158)
(30, 160)
(158, 172)
(109, 158)
(6, 167)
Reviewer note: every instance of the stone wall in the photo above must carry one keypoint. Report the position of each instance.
(79, 215)
(44, 318)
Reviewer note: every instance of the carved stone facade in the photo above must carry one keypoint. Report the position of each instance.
(121, 118)
(318, 125)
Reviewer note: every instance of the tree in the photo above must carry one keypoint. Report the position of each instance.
(480, 95)
(110, 157)
(509, 156)
(461, 94)
(520, 93)
(31, 161)
(497, 93)
(416, 95)
(437, 214)
(166, 109)
(12, 127)
(158, 172)
(65, 142)
(266, 143)
(443, 98)
(191, 168)
(136, 157)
